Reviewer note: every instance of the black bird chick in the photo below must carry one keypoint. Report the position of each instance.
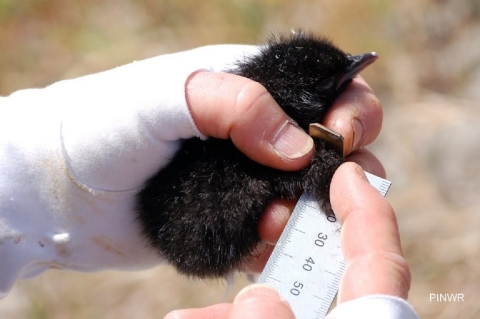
(202, 211)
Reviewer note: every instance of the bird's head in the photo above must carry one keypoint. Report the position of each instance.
(303, 73)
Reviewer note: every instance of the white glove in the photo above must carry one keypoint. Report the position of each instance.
(374, 307)
(74, 155)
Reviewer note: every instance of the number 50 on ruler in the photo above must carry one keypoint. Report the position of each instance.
(307, 263)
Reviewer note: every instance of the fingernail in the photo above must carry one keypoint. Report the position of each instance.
(292, 142)
(358, 130)
(255, 290)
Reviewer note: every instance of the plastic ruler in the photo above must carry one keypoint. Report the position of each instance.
(307, 263)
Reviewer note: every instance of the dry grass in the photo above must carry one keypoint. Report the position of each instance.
(428, 78)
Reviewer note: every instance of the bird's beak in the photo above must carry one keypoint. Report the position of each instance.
(358, 63)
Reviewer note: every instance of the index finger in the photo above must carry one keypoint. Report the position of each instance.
(370, 238)
(356, 114)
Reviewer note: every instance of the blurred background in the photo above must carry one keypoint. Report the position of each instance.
(427, 77)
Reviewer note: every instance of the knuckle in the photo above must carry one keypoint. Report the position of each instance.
(375, 103)
(251, 98)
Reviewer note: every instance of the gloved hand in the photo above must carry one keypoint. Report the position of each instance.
(73, 156)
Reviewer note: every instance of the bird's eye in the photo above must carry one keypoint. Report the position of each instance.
(326, 84)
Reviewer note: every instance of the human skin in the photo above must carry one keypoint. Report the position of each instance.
(370, 244)
(253, 122)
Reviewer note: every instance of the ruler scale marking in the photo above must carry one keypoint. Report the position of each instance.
(308, 248)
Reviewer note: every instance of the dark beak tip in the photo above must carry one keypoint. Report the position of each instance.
(358, 64)
(361, 61)
(371, 57)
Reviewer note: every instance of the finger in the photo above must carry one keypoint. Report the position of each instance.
(274, 219)
(220, 311)
(260, 301)
(270, 227)
(370, 238)
(276, 215)
(367, 161)
(229, 106)
(356, 114)
(259, 258)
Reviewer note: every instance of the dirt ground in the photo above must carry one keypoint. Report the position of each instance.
(428, 78)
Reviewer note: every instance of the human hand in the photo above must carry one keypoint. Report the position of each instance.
(74, 155)
(371, 246)
(74, 166)
(253, 121)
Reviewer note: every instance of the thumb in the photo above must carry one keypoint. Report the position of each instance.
(230, 106)
(260, 301)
